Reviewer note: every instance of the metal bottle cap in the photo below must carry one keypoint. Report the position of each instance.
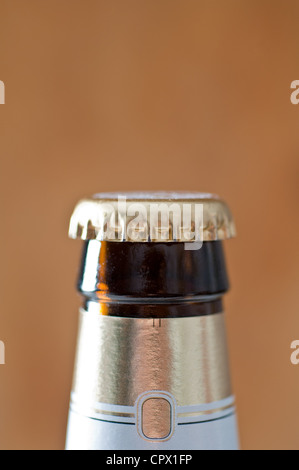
(152, 217)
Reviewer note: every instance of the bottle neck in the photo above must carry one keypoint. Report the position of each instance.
(153, 279)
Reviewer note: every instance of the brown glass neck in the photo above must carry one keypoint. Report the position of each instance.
(153, 279)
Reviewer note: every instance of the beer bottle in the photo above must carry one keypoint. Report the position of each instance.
(151, 367)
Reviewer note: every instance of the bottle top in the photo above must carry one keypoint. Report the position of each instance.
(152, 217)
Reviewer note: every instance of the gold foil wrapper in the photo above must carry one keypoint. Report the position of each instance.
(118, 359)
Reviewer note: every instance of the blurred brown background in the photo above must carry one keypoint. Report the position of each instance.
(135, 95)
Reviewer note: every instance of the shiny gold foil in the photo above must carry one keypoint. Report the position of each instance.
(120, 358)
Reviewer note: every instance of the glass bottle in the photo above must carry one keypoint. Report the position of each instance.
(151, 368)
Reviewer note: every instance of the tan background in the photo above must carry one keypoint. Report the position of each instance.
(124, 95)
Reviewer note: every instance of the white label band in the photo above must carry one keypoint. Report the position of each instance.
(204, 427)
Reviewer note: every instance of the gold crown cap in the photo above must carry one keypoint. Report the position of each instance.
(152, 217)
